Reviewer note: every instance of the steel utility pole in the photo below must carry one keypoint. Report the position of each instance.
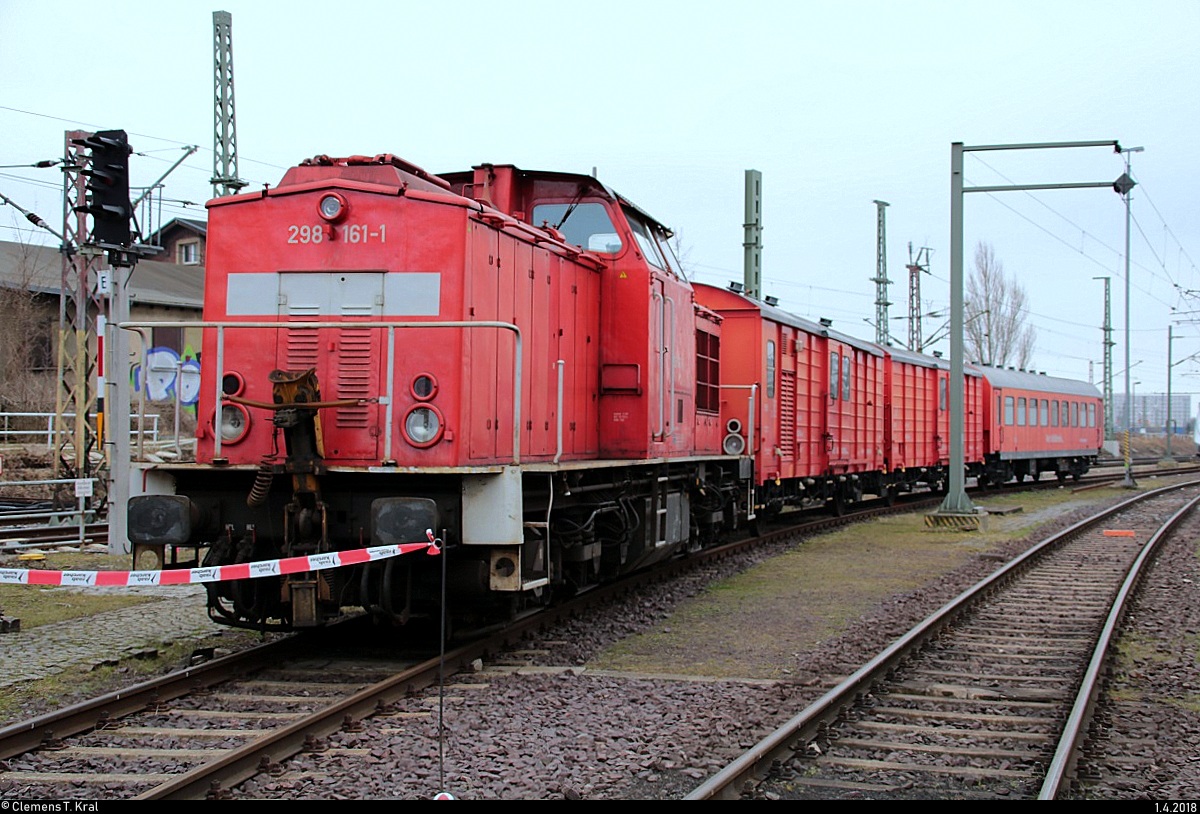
(880, 279)
(1108, 368)
(1170, 339)
(752, 242)
(1124, 185)
(225, 179)
(915, 267)
(957, 509)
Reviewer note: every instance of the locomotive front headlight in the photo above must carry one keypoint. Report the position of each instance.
(423, 426)
(332, 207)
(235, 423)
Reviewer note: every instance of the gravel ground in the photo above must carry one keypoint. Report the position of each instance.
(575, 734)
(1148, 733)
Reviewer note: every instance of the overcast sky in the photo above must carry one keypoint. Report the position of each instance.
(837, 104)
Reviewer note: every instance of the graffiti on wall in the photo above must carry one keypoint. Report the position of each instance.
(169, 375)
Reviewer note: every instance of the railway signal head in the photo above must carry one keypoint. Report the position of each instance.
(1124, 184)
(108, 188)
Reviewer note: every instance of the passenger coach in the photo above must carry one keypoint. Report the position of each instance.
(1037, 423)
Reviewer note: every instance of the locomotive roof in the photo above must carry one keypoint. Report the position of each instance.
(1028, 380)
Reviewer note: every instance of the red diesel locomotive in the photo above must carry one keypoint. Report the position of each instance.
(399, 352)
(515, 362)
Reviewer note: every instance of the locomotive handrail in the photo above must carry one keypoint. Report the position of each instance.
(559, 411)
(141, 328)
(301, 405)
(666, 364)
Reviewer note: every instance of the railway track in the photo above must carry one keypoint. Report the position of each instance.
(989, 697)
(198, 732)
(159, 754)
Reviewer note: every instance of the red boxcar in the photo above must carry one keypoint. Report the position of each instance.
(917, 444)
(1037, 423)
(808, 401)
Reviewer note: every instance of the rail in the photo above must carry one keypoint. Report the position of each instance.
(84, 490)
(756, 762)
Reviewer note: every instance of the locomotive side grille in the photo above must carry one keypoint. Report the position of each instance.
(354, 375)
(787, 414)
(301, 349)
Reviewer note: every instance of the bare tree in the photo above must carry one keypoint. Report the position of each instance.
(995, 308)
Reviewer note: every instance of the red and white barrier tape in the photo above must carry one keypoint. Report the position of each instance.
(221, 573)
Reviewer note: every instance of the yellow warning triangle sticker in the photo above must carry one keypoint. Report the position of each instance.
(622, 276)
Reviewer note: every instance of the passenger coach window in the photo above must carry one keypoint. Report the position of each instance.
(833, 376)
(770, 369)
(1021, 412)
(1008, 410)
(1074, 414)
(845, 378)
(1054, 413)
(1044, 416)
(942, 395)
(587, 225)
(1091, 415)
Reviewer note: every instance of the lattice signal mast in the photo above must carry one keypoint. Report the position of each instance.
(1108, 360)
(225, 179)
(79, 303)
(880, 279)
(915, 267)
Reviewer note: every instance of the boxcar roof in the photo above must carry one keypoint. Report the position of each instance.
(779, 315)
(914, 358)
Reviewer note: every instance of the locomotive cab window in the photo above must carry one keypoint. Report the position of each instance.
(586, 225)
(651, 242)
